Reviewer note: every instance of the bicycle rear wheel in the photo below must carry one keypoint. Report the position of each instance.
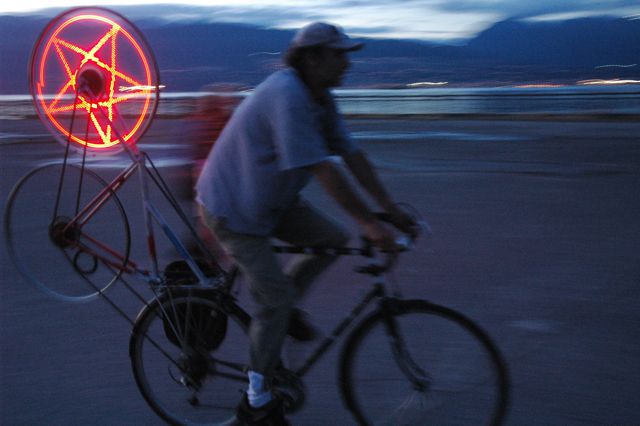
(443, 370)
(188, 353)
(69, 263)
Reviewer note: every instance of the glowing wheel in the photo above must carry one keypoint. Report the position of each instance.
(94, 80)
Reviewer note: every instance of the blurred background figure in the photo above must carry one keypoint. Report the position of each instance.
(211, 113)
(203, 126)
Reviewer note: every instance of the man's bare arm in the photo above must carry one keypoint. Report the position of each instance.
(365, 173)
(336, 184)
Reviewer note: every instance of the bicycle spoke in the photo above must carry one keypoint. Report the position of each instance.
(440, 370)
(186, 376)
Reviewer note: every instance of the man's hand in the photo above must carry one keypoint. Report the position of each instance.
(381, 236)
(403, 221)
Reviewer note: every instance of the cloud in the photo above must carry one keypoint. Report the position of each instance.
(438, 20)
(420, 19)
(529, 9)
(256, 15)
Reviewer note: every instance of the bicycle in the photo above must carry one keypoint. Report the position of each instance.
(379, 354)
(188, 346)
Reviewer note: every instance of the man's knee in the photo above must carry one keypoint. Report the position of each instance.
(338, 237)
(275, 293)
(342, 237)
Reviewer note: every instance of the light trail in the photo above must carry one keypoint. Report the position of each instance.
(607, 82)
(616, 66)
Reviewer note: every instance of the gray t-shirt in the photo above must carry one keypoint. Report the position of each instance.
(259, 163)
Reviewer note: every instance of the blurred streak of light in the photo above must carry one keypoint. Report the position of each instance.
(134, 88)
(607, 82)
(427, 84)
(538, 86)
(264, 53)
(616, 66)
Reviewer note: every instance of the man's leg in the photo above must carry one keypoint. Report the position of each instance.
(274, 294)
(303, 225)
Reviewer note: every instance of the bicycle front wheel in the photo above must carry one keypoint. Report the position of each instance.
(189, 352)
(422, 364)
(73, 263)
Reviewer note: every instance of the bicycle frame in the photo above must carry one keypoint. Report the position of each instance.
(68, 231)
(122, 262)
(151, 213)
(378, 292)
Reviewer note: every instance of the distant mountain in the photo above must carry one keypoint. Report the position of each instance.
(585, 42)
(192, 54)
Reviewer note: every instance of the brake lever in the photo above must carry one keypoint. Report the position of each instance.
(425, 229)
(405, 242)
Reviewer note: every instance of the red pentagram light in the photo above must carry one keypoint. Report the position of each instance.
(94, 80)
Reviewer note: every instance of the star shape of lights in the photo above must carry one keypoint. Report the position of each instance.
(103, 54)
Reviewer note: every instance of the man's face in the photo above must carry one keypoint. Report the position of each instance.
(331, 66)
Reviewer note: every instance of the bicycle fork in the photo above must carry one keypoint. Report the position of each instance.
(414, 373)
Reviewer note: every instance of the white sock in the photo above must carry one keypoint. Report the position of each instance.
(257, 394)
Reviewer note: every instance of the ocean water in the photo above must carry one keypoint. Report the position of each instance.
(569, 100)
(623, 99)
(500, 100)
(619, 99)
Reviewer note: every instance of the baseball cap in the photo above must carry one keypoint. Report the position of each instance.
(323, 34)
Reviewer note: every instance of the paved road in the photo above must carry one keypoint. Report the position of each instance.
(536, 236)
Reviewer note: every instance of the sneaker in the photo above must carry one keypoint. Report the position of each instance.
(300, 328)
(271, 414)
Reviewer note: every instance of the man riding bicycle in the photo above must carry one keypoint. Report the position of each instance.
(286, 133)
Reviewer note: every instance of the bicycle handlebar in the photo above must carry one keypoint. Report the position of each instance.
(406, 240)
(403, 243)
